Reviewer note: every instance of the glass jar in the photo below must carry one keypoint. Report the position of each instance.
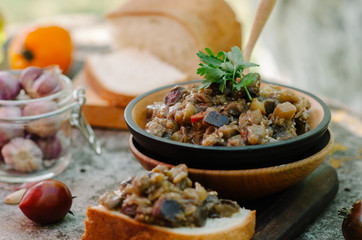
(36, 134)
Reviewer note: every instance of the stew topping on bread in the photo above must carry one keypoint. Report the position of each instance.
(167, 197)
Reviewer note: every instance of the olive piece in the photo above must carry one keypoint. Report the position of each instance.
(173, 96)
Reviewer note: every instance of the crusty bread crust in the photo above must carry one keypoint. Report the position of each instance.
(120, 76)
(105, 224)
(211, 23)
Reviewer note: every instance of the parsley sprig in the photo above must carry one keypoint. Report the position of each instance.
(224, 67)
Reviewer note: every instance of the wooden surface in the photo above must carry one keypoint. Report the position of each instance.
(97, 111)
(284, 216)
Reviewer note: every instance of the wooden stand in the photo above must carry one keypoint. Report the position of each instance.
(284, 216)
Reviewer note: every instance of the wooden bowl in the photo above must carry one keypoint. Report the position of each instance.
(249, 183)
(219, 157)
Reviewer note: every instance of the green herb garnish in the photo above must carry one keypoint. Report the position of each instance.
(225, 67)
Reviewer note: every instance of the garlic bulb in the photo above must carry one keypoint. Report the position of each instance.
(23, 155)
(28, 77)
(9, 86)
(41, 82)
(44, 127)
(10, 130)
(51, 146)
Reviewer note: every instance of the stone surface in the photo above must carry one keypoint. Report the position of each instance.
(88, 176)
(346, 157)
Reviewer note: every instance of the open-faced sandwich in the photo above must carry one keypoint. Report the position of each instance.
(165, 204)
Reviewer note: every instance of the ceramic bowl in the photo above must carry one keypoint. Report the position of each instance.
(219, 157)
(247, 184)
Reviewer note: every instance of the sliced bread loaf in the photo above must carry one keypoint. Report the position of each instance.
(120, 76)
(176, 30)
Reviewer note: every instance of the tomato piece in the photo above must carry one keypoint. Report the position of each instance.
(244, 134)
(197, 117)
(46, 202)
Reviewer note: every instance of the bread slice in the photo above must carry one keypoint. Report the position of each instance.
(111, 225)
(176, 30)
(120, 76)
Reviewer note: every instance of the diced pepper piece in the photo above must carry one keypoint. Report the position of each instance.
(197, 117)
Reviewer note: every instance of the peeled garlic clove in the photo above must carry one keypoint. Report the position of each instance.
(47, 83)
(10, 130)
(15, 197)
(23, 155)
(9, 86)
(28, 77)
(44, 127)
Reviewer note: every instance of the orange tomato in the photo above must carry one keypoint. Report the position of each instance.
(41, 47)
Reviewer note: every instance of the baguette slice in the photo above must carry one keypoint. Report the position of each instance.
(105, 224)
(120, 76)
(176, 30)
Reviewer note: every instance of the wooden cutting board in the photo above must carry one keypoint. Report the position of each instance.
(284, 216)
(97, 111)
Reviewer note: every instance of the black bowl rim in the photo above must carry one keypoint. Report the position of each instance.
(319, 129)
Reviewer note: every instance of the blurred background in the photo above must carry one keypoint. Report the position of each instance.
(312, 45)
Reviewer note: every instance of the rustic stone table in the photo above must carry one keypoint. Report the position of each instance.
(89, 175)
